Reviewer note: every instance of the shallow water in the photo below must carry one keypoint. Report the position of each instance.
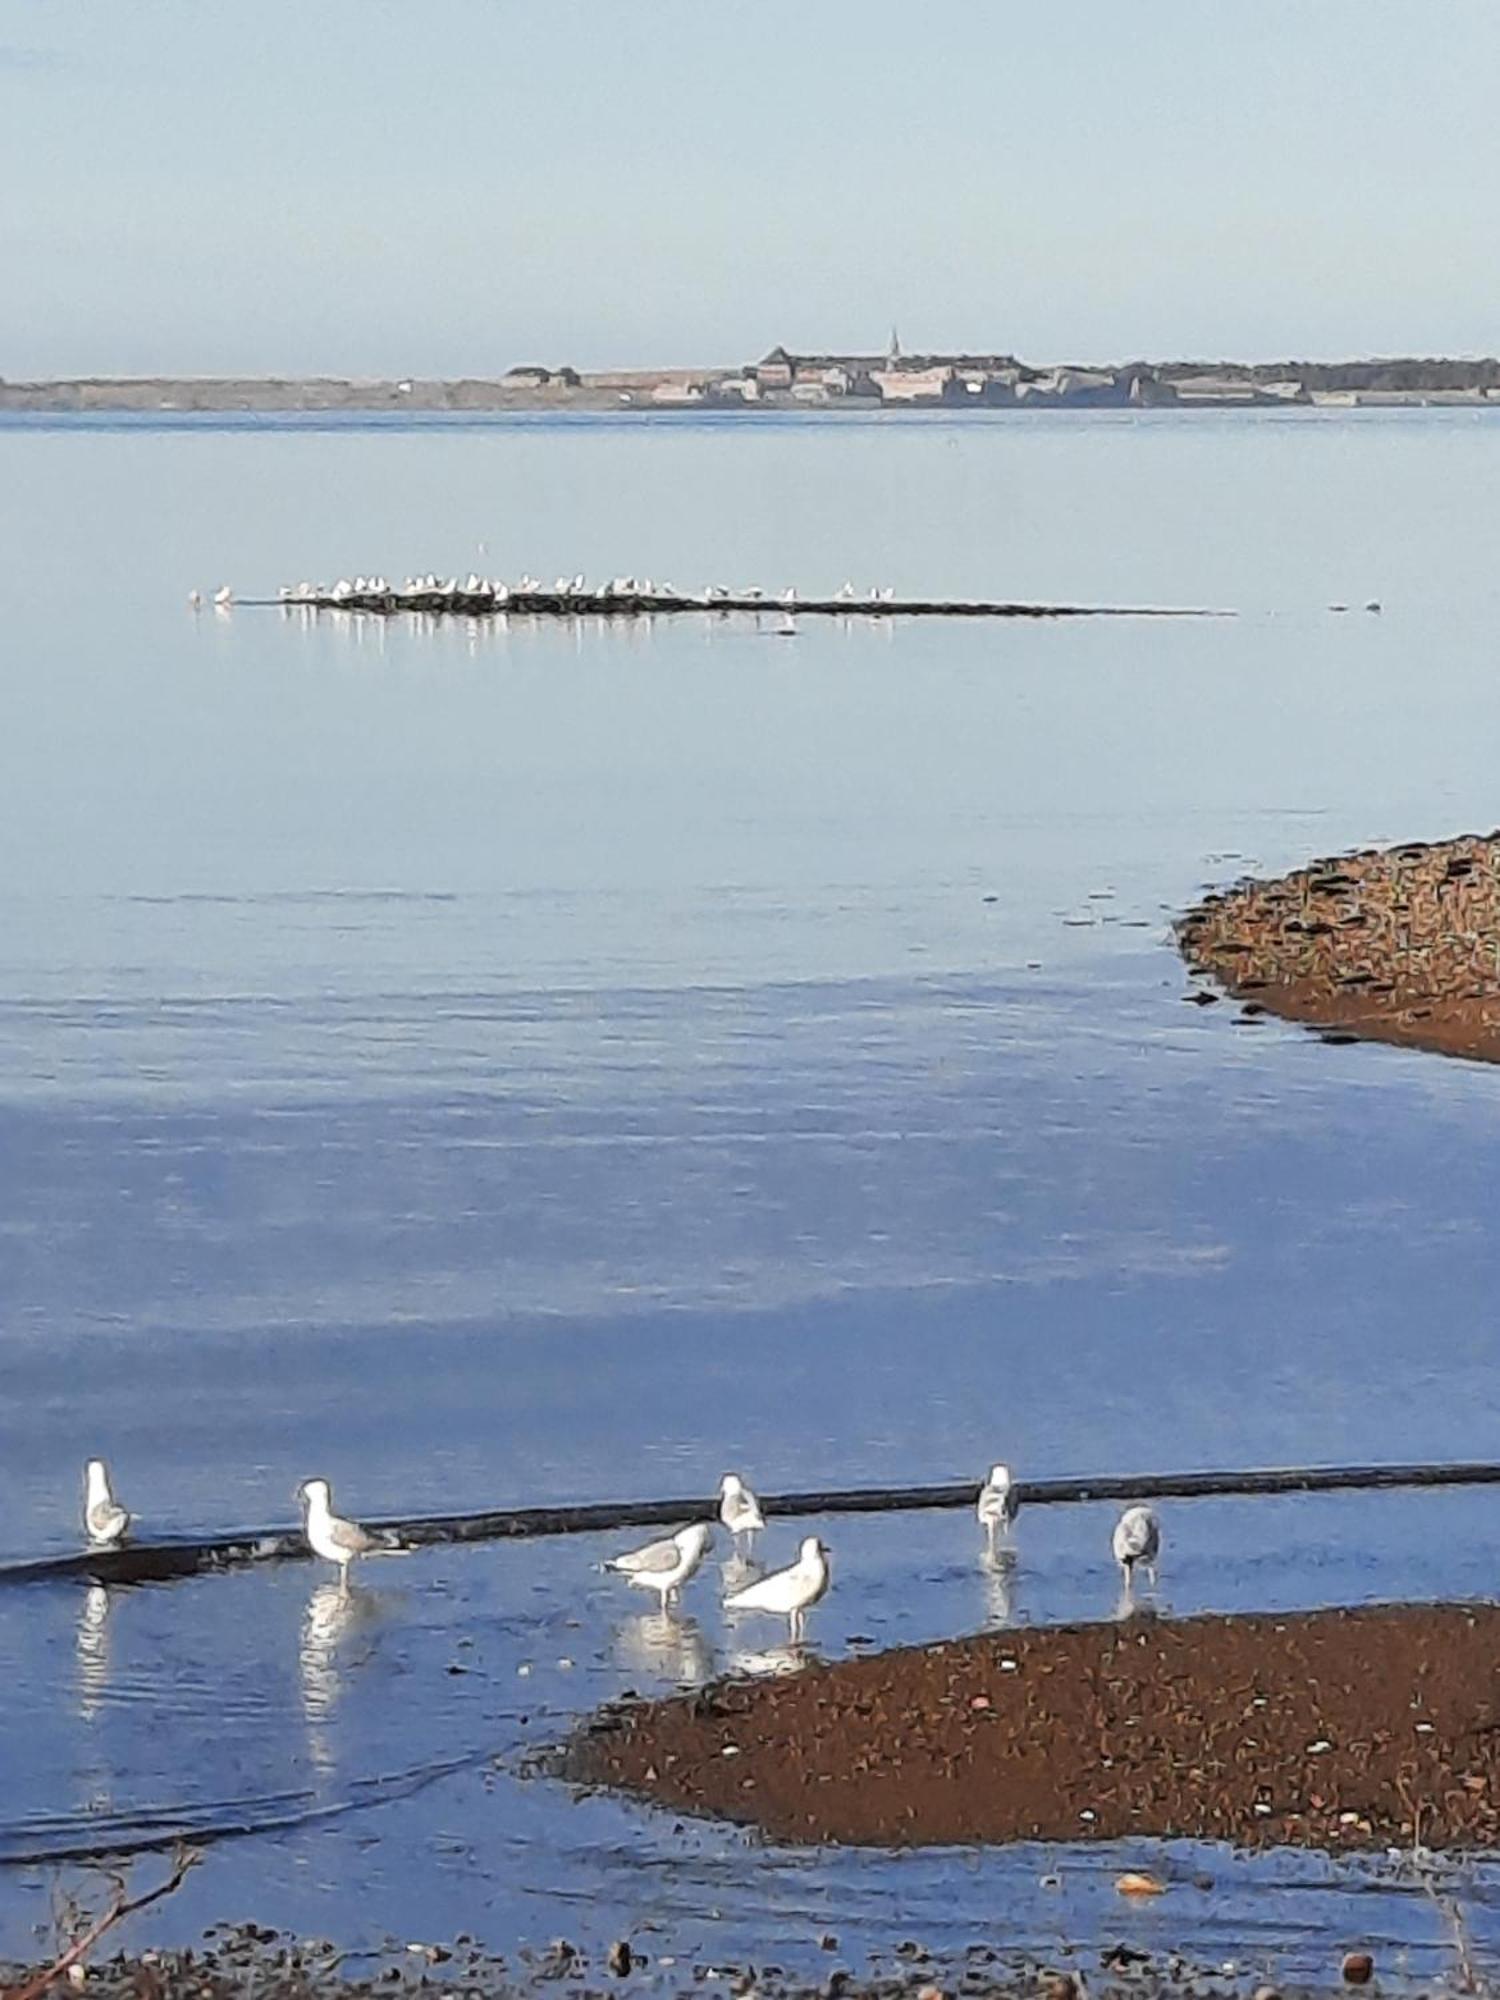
(491, 1066)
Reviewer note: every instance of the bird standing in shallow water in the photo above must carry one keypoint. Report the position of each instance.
(665, 1566)
(105, 1521)
(330, 1536)
(1137, 1541)
(998, 1504)
(788, 1593)
(739, 1509)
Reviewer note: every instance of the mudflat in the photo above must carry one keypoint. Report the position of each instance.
(1340, 1729)
(1398, 944)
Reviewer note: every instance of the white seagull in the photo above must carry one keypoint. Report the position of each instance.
(105, 1521)
(666, 1566)
(998, 1503)
(330, 1536)
(1137, 1539)
(739, 1509)
(788, 1593)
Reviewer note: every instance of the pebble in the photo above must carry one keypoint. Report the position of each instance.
(1358, 1968)
(621, 1958)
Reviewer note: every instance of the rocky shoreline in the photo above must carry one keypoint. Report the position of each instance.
(1343, 1730)
(247, 1962)
(1398, 944)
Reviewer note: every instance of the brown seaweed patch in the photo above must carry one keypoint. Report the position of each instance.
(1335, 1729)
(1399, 944)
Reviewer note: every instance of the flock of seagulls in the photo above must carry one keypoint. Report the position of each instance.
(664, 1566)
(420, 591)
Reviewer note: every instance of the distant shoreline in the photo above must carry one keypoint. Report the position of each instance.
(781, 382)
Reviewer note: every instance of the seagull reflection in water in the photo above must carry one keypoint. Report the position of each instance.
(334, 1612)
(998, 1568)
(788, 1659)
(738, 1569)
(668, 1645)
(92, 1647)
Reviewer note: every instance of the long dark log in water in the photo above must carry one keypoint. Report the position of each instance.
(158, 1562)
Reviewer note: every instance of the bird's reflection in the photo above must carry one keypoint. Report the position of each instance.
(738, 1569)
(789, 1659)
(666, 1644)
(998, 1569)
(1143, 1607)
(334, 1613)
(92, 1647)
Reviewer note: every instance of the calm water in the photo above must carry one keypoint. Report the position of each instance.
(494, 1066)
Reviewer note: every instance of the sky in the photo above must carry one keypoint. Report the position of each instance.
(455, 186)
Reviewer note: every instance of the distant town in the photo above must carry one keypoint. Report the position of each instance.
(783, 379)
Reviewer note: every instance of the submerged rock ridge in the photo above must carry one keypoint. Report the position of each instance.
(1397, 944)
(1341, 1729)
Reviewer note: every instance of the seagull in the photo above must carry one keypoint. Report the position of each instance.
(223, 596)
(105, 1521)
(195, 599)
(788, 1593)
(998, 1503)
(1137, 1539)
(666, 1566)
(739, 1509)
(328, 1535)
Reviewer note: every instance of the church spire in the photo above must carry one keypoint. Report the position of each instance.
(893, 352)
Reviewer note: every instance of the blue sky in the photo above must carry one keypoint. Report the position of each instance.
(452, 186)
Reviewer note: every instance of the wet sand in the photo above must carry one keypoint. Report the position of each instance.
(1342, 1729)
(1398, 944)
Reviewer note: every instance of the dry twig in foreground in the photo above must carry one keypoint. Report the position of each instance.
(120, 1907)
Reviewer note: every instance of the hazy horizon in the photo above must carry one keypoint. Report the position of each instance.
(353, 192)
